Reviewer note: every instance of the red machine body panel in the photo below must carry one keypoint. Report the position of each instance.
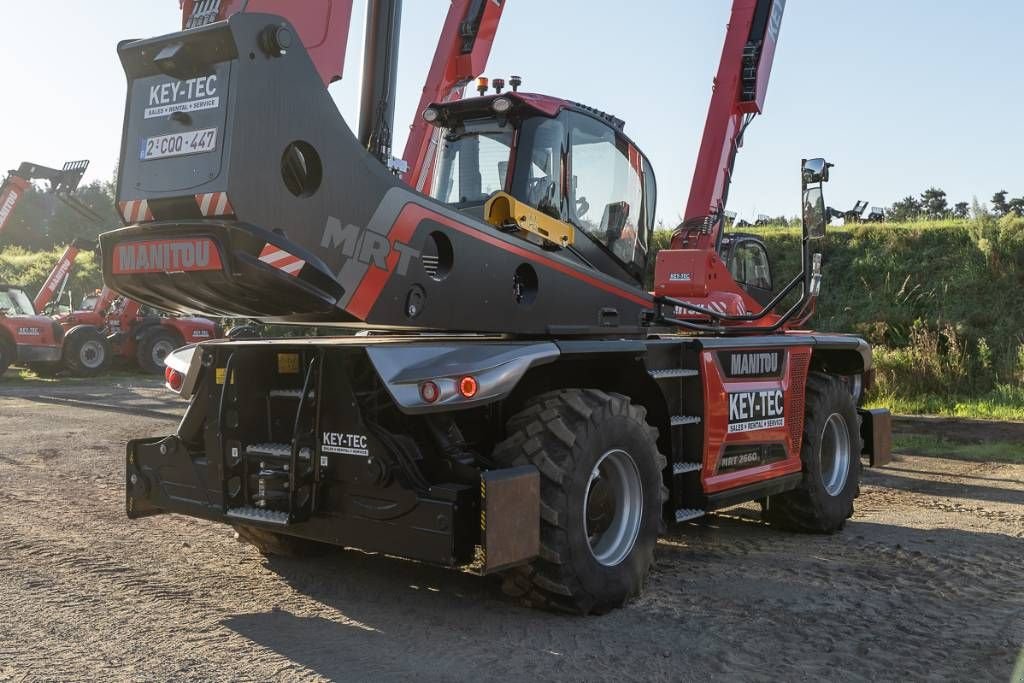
(754, 414)
(11, 192)
(323, 25)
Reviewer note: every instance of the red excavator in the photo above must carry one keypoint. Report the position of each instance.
(109, 326)
(515, 400)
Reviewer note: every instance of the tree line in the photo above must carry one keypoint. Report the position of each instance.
(932, 204)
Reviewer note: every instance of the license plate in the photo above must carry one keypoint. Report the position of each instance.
(179, 144)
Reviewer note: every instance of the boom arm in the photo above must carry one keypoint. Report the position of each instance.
(323, 25)
(59, 275)
(62, 182)
(461, 56)
(739, 93)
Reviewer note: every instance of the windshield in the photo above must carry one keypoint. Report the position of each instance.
(14, 302)
(473, 163)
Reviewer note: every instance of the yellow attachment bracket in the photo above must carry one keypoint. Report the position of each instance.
(503, 210)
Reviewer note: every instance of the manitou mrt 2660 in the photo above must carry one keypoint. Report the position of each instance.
(517, 401)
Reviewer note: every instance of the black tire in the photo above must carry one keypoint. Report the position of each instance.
(8, 354)
(566, 434)
(86, 352)
(270, 543)
(154, 346)
(812, 507)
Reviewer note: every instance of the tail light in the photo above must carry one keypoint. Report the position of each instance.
(174, 379)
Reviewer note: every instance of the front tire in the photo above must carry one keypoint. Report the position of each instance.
(86, 352)
(601, 498)
(154, 347)
(830, 454)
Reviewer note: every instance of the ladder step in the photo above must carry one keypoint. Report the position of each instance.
(252, 514)
(684, 467)
(276, 450)
(287, 393)
(685, 514)
(680, 420)
(671, 373)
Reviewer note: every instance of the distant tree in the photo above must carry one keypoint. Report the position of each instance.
(1016, 206)
(905, 209)
(999, 205)
(961, 210)
(933, 202)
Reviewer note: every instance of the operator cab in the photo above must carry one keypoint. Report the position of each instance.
(568, 161)
(14, 302)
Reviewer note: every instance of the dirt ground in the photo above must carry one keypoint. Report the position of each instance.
(926, 582)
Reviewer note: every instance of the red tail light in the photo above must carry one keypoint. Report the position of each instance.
(174, 379)
(468, 386)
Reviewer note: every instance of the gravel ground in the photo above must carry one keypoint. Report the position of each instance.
(926, 582)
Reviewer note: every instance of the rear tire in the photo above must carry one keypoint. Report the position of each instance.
(270, 543)
(86, 352)
(154, 347)
(601, 498)
(830, 454)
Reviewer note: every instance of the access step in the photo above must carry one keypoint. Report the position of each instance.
(251, 514)
(276, 450)
(672, 373)
(682, 420)
(684, 467)
(289, 393)
(686, 514)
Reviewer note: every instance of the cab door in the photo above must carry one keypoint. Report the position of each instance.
(747, 258)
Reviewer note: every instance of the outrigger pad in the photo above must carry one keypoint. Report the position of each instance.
(876, 431)
(509, 516)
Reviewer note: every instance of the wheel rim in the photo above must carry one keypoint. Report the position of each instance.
(92, 354)
(613, 507)
(160, 350)
(835, 454)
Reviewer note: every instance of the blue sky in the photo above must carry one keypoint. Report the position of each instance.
(900, 94)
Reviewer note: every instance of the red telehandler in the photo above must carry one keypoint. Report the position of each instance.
(516, 401)
(26, 337)
(109, 326)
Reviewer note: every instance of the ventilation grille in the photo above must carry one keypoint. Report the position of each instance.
(799, 360)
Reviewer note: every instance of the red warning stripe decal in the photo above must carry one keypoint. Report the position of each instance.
(281, 259)
(135, 211)
(214, 204)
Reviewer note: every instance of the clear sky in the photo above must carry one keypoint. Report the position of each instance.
(900, 94)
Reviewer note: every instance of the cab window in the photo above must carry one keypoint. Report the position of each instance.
(606, 190)
(540, 158)
(473, 163)
(749, 265)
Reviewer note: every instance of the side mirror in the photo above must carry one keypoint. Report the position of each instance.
(815, 171)
(814, 213)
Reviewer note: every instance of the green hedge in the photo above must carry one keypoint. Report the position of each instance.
(29, 270)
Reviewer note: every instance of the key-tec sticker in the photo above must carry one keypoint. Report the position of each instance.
(345, 444)
(751, 411)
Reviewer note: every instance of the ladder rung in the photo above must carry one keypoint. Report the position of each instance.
(287, 393)
(684, 467)
(275, 450)
(253, 514)
(680, 420)
(672, 373)
(685, 514)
